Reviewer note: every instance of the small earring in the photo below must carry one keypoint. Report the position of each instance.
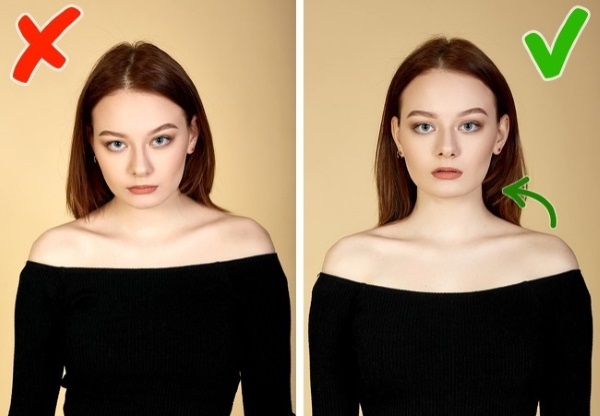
(399, 155)
(95, 161)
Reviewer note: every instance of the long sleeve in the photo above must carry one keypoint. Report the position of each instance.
(567, 385)
(333, 368)
(264, 316)
(37, 359)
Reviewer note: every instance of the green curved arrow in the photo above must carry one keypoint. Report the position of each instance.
(517, 194)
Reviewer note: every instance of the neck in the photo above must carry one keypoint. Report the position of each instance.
(450, 219)
(141, 224)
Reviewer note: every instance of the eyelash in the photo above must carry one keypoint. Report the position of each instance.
(110, 145)
(474, 123)
(416, 127)
(167, 138)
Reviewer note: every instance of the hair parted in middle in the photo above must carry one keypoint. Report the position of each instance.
(397, 193)
(142, 67)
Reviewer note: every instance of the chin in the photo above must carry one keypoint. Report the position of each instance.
(143, 206)
(140, 201)
(449, 190)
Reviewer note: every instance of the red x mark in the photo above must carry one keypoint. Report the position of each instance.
(41, 43)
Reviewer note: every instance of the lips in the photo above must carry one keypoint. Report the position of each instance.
(142, 189)
(446, 173)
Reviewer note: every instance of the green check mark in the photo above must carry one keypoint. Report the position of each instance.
(550, 61)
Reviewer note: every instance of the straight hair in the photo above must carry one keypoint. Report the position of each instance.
(142, 67)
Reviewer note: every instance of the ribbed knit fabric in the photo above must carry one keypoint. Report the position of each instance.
(167, 341)
(486, 353)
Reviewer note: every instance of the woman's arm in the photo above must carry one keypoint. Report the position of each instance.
(264, 314)
(38, 366)
(333, 368)
(567, 381)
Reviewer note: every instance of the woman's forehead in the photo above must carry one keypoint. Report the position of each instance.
(446, 92)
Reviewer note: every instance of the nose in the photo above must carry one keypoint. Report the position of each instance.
(140, 164)
(447, 145)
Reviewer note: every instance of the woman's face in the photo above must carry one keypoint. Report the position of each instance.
(141, 141)
(447, 131)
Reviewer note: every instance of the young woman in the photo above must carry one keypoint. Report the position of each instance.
(154, 301)
(449, 307)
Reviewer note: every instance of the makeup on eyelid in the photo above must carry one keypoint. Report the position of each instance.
(430, 127)
(109, 144)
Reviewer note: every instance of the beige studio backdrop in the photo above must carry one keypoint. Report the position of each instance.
(241, 56)
(352, 49)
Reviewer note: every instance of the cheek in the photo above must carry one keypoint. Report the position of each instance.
(416, 157)
(174, 163)
(480, 158)
(418, 167)
(110, 169)
(483, 154)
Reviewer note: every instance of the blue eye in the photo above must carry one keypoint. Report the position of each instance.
(423, 128)
(161, 141)
(115, 146)
(470, 126)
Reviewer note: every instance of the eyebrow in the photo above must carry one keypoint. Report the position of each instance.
(122, 136)
(474, 110)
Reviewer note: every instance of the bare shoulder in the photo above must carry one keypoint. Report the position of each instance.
(56, 246)
(237, 237)
(354, 257)
(544, 254)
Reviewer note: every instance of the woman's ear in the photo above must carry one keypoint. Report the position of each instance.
(395, 125)
(193, 135)
(503, 129)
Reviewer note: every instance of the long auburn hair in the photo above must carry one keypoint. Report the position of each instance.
(143, 67)
(397, 193)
